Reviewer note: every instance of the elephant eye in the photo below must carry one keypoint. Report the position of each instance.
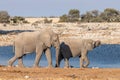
(89, 44)
(55, 40)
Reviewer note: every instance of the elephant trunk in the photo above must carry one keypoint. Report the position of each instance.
(57, 56)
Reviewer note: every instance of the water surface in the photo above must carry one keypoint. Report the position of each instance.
(104, 56)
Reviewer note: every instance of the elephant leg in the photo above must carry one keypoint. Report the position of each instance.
(81, 62)
(60, 57)
(11, 61)
(82, 59)
(38, 56)
(66, 63)
(86, 62)
(20, 62)
(48, 56)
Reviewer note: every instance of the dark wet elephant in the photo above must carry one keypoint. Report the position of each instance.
(76, 47)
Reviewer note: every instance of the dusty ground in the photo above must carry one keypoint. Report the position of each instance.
(7, 73)
(108, 33)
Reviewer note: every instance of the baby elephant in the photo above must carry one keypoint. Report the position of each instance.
(76, 47)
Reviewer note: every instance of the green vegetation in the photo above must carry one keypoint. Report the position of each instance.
(73, 16)
(63, 18)
(108, 15)
(47, 21)
(17, 19)
(4, 17)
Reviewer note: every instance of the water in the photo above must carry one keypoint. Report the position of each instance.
(104, 56)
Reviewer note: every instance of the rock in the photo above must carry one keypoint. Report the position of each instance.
(95, 67)
(26, 77)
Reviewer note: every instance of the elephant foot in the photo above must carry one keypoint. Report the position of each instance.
(20, 66)
(9, 66)
(83, 67)
(57, 66)
(50, 66)
(36, 66)
(66, 67)
(12, 66)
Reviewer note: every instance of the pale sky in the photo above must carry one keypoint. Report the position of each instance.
(38, 8)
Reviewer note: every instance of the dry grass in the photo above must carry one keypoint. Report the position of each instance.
(32, 20)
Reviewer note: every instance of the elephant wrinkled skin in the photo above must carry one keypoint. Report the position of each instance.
(76, 47)
(28, 42)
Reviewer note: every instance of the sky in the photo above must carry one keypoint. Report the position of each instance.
(39, 8)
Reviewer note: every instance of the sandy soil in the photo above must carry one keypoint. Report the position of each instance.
(7, 73)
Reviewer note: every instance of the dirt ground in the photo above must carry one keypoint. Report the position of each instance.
(14, 73)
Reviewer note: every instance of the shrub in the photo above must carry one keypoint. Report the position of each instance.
(63, 18)
(4, 17)
(17, 19)
(73, 16)
(47, 21)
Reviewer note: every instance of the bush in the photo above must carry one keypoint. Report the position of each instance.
(63, 18)
(4, 17)
(47, 21)
(73, 16)
(17, 19)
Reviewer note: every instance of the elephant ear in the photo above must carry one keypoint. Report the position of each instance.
(96, 43)
(88, 44)
(47, 40)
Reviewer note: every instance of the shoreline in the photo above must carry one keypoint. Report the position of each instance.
(107, 33)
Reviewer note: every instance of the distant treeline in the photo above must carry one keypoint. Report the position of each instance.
(108, 15)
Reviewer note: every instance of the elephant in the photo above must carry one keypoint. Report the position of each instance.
(76, 47)
(39, 42)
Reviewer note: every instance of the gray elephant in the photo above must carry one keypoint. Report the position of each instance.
(76, 47)
(39, 42)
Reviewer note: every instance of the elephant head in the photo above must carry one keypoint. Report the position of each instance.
(49, 38)
(90, 44)
(52, 40)
(96, 43)
(56, 43)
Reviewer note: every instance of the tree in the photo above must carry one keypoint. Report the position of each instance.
(4, 17)
(110, 15)
(95, 13)
(73, 15)
(63, 18)
(86, 17)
